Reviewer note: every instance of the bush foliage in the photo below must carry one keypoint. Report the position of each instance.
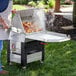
(27, 1)
(51, 3)
(20, 1)
(32, 3)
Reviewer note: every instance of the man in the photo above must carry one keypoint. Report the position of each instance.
(5, 22)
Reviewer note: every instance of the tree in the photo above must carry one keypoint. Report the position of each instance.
(57, 5)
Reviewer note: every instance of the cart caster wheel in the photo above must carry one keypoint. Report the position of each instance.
(10, 63)
(41, 62)
(24, 68)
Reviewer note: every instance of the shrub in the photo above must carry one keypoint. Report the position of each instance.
(51, 3)
(20, 1)
(40, 4)
(46, 6)
(45, 1)
(32, 3)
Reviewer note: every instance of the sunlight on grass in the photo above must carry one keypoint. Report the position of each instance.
(19, 7)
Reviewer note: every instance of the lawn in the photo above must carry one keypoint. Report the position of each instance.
(60, 60)
(19, 7)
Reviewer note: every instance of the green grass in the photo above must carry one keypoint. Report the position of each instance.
(60, 60)
(19, 7)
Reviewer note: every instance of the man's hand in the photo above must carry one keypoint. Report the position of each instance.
(2, 22)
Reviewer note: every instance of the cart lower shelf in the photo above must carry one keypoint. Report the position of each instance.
(29, 52)
(30, 58)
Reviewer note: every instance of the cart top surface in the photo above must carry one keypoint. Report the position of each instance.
(48, 37)
(32, 22)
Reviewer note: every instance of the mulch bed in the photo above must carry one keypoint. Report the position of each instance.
(54, 23)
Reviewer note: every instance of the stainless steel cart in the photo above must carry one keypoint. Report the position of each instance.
(26, 47)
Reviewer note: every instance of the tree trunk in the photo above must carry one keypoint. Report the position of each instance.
(74, 14)
(57, 5)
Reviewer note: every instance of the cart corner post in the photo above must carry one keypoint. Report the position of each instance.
(23, 55)
(8, 52)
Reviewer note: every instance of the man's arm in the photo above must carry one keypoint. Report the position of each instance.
(3, 23)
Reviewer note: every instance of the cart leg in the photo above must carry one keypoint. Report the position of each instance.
(8, 51)
(10, 63)
(24, 67)
(43, 54)
(41, 61)
(23, 56)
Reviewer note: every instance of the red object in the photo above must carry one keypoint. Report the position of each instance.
(13, 45)
(14, 11)
(43, 43)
